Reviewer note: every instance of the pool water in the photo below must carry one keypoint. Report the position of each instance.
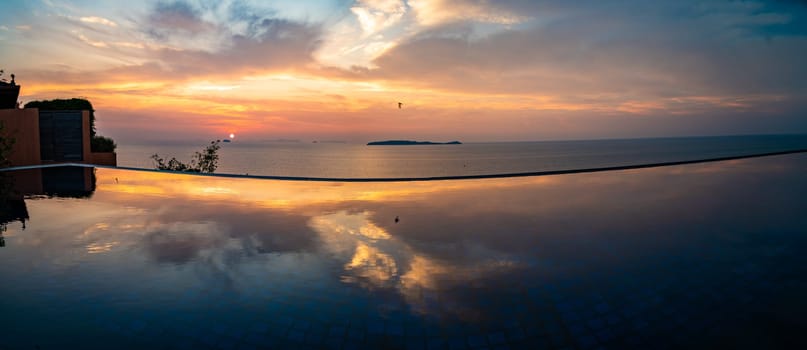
(703, 255)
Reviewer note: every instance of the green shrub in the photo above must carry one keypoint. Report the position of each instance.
(202, 162)
(102, 144)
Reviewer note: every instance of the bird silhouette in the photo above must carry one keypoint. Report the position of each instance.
(396, 219)
(399, 105)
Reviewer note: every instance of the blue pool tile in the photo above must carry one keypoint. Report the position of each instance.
(596, 324)
(534, 330)
(375, 328)
(558, 339)
(185, 344)
(296, 335)
(413, 329)
(394, 329)
(432, 331)
(569, 317)
(355, 334)
(283, 320)
(564, 307)
(436, 343)
(352, 345)
(515, 334)
(457, 343)
(260, 327)
(497, 338)
(278, 331)
(260, 340)
(586, 341)
(634, 340)
(314, 338)
(639, 325)
(219, 329)
(511, 323)
(301, 325)
(137, 325)
(477, 341)
(415, 343)
(337, 331)
(452, 329)
(333, 342)
(247, 347)
(227, 344)
(605, 335)
(602, 308)
(553, 327)
(577, 329)
(209, 339)
(612, 319)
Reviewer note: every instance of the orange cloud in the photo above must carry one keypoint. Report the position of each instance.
(529, 71)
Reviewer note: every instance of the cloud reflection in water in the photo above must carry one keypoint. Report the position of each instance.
(458, 245)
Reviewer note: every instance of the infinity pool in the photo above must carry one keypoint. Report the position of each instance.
(704, 255)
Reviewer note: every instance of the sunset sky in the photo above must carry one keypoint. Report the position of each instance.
(473, 70)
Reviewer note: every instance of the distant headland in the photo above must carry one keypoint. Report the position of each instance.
(409, 143)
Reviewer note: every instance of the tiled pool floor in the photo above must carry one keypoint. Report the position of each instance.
(698, 256)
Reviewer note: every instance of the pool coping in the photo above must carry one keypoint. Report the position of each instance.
(412, 179)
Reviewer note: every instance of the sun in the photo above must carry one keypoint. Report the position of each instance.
(232, 136)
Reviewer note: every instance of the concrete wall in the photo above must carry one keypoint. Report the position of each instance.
(23, 126)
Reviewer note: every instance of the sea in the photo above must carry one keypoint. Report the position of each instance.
(358, 160)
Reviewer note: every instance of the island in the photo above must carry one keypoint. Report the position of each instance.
(409, 143)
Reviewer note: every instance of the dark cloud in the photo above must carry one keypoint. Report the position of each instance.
(242, 12)
(177, 248)
(177, 16)
(265, 44)
(280, 44)
(631, 49)
(180, 238)
(270, 44)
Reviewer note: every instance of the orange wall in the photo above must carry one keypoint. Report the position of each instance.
(23, 126)
(26, 182)
(103, 158)
(30, 182)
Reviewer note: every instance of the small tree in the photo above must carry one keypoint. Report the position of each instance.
(102, 144)
(202, 162)
(208, 160)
